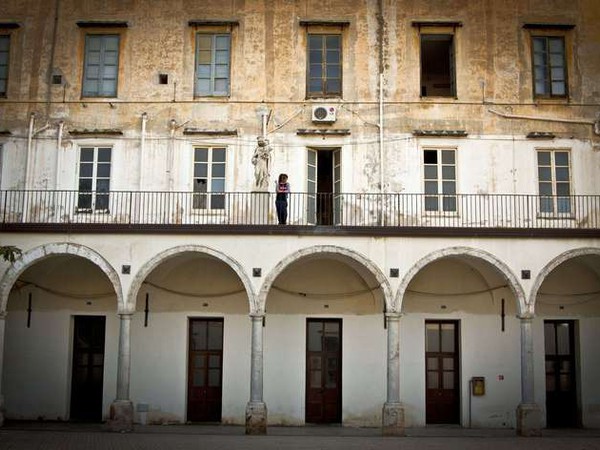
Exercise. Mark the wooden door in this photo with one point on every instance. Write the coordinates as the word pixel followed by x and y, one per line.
pixel 323 371
pixel 561 393
pixel 442 372
pixel 87 376
pixel 205 370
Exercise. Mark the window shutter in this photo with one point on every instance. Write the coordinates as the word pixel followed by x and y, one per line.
pixel 4 45
pixel 101 66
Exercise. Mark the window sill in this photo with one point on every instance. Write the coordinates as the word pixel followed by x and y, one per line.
pixel 95 212
pixel 551 100
pixel 556 216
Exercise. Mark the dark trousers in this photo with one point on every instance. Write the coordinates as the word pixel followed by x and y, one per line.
pixel 282 212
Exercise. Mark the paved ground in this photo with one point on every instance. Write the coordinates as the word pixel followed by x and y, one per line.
pixel 45 436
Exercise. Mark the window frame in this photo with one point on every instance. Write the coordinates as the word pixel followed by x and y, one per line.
pixel 208 197
pixel 548 66
pixel 452 55
pixel 555 197
pixel 93 193
pixel 7 36
pixel 214 35
pixel 101 34
pixel 440 196
pixel 324 33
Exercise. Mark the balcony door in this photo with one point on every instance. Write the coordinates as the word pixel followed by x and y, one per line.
pixel 441 371
pixel 323 371
pixel 324 169
pixel 205 370
pixel 561 393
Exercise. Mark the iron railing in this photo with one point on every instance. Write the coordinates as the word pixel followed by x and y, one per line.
pixel 304 209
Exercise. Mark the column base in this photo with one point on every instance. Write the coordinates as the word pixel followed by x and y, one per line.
pixel 121 416
pixel 393 419
pixel 256 418
pixel 529 420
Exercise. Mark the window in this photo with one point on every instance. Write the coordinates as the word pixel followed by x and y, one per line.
pixel 554 181
pixel 437 65
pixel 209 178
pixel 94 179
pixel 4 46
pixel 101 66
pixel 549 66
pixel 212 64
pixel 324 74
pixel 440 179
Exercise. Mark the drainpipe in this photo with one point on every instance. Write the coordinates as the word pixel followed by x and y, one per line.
pixel 170 153
pixel 143 147
pixel 29 157
pixel 61 126
pixel 380 32
pixel 51 62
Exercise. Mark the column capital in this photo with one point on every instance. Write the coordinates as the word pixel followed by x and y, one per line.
pixel 393 315
pixel 257 315
pixel 526 316
pixel 125 315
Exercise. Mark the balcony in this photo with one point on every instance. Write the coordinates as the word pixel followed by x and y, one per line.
pixel 308 213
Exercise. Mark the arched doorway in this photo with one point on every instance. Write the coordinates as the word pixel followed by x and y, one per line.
pixel 61 335
pixel 325 339
pixel 190 339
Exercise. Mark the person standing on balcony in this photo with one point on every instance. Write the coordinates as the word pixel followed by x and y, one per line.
pixel 262 165
pixel 282 188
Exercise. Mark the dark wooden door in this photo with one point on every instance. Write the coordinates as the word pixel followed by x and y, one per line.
pixel 88 368
pixel 561 393
pixel 442 372
pixel 323 371
pixel 205 370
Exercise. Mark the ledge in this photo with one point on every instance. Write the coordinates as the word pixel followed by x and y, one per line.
pixel 540 135
pixel 102 24
pixel 212 22
pixel 322 132
pixel 196 131
pixel 9 25
pixel 96 132
pixel 440 133
pixel 321 22
pixel 553 26
pixel 5 133
pixel 435 23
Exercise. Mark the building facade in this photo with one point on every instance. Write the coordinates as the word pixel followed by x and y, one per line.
pixel 440 257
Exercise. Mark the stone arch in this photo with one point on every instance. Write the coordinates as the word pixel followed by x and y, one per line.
pixel 150 265
pixel 338 252
pixel 64 248
pixel 467 252
pixel 553 264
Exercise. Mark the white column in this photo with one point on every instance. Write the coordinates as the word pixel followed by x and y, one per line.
pixel 527 393
pixel 393 358
pixel 124 360
pixel 256 363
pixel 393 411
pixel 2 323
pixel 529 414
pixel 121 410
pixel 256 410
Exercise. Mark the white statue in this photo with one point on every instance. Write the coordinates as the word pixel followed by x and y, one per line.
pixel 262 164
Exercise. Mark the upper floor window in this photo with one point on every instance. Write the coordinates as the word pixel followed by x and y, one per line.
pixel 101 67
pixel 324 71
pixel 94 178
pixel 209 177
pixel 212 64
pixel 549 66
pixel 440 179
pixel 4 47
pixel 554 178
pixel 437 65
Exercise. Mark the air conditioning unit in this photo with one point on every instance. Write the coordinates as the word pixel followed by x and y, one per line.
pixel 323 113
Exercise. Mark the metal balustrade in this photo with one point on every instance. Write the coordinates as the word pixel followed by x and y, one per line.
pixel 504 211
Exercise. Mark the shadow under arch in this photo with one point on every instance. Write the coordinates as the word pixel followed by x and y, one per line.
pixel 553 264
pixel 45 251
pixel 153 263
pixel 467 253
pixel 350 257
